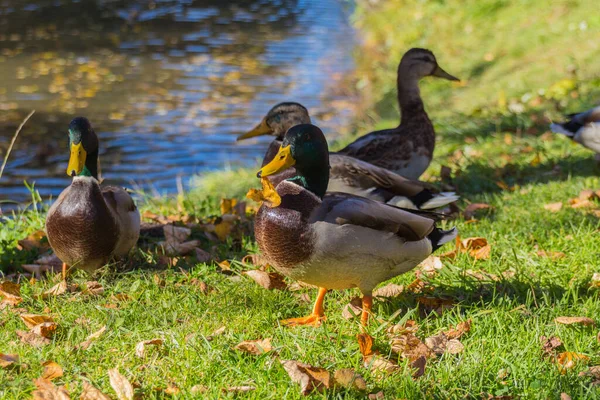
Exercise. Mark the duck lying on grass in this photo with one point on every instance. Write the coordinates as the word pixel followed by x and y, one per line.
pixel 335 240
pixel 88 225
pixel 584 128
pixel 348 174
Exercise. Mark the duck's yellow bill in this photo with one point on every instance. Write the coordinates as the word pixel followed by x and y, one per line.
pixel 283 160
pixel 259 130
pixel 77 159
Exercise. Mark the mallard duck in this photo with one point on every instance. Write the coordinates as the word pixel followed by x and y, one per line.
pixel 348 174
pixel 88 225
pixel 407 149
pixel 584 128
pixel 335 240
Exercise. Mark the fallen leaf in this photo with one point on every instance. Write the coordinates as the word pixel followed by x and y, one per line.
pixel 380 366
pixel 472 209
pixel 419 364
pixel 454 346
pixel 409 326
pixel 437 343
pixel 140 348
pixel 476 247
pixel 202 286
pixel 554 207
pixel 409 346
pixel 578 203
pixel 574 320
pixel 416 286
pixel 32 339
pixel 365 344
pixel 10 293
pixel 568 360
pixel 549 344
pixel 377 396
pixel 34 241
pixel 179 249
pixel 308 377
pixel 51 370
pixel 198 389
pixel 349 379
pixel 240 389
pixel 172 389
pixel 91 393
pixel 176 234
pixel 438 305
pixel 47 391
pixel 120 385
pixel 227 205
pixel 462 328
pixel 268 194
pixel 272 280
pixel 223 230
pixel 88 341
pixel 93 288
pixel 256 347
pixel 32 320
pixel 352 309
pixel 56 290
pixel 564 396
pixel 8 360
pixel 554 255
pixel 593 372
pixel 217 332
pixel 389 291
pixel 431 265
pixel 224 265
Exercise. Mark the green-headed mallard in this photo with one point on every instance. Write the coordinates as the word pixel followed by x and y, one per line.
pixel 584 128
pixel 88 225
pixel 348 174
pixel 407 149
pixel 335 240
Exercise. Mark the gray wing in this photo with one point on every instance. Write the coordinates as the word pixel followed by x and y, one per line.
pixel 363 175
pixel 344 209
pixel 587 117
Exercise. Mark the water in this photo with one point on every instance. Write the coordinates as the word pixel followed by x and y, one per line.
pixel 168 85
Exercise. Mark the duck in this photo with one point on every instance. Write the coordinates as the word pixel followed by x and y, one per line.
pixel 407 149
pixel 335 240
pixel 583 128
pixel 89 224
pixel 348 174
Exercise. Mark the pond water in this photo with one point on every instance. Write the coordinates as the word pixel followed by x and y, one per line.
pixel 167 84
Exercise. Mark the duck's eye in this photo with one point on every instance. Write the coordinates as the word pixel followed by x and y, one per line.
pixel 281 157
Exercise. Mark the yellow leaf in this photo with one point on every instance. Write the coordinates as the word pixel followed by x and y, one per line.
pixel 120 384
pixel 255 347
pixel 574 320
pixel 140 348
pixel 51 370
pixel 32 320
pixel 91 393
pixel 267 194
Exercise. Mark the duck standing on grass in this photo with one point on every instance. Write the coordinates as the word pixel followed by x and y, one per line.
pixel 88 225
pixel 348 174
pixel 584 128
pixel 407 149
pixel 335 240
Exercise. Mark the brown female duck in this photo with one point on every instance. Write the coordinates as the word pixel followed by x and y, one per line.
pixel 335 240
pixel 348 174
pixel 88 225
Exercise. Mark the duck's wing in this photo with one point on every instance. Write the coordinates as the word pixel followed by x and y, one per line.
pixel 587 117
pixel 576 121
pixel 344 209
pixel 126 212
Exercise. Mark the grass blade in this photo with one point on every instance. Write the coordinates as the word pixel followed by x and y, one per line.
pixel 12 142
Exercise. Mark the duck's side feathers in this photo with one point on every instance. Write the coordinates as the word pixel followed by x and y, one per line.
pixel 127 215
pixel 439 237
pixel 424 200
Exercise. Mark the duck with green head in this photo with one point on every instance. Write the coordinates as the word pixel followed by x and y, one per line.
pixel 88 225
pixel 335 240
pixel 348 174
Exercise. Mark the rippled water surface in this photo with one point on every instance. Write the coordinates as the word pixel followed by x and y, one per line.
pixel 167 84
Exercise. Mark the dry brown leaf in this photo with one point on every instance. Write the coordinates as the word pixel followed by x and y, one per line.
pixel 34 241
pixel 462 328
pixel 172 389
pixel 93 288
pixel 568 360
pixel 352 309
pixel 380 366
pixel 32 339
pixel 224 265
pixel 179 249
pixel 140 348
pixel 198 389
pixel 549 344
pixel 268 194
pixel 389 291
pixel 417 286
pixel 454 346
pixel 409 346
pixel 476 247
pixel 308 377
pixel 593 372
pixel 202 286
pixel 203 256
pixel 554 255
pixel 51 370
pixel 578 203
pixel 8 360
pixel 47 391
pixel 574 320
pixel 431 265
pixel 32 320
pixel 409 326
pixel 554 207
pixel 365 344
pixel 377 396
pixel 437 343
pixel 88 341
pixel 217 332
pixel 240 389
pixel 272 280
pixel 256 347
pixel 472 209
pixel 10 293
pixel 91 393
pixel 120 385
pixel 176 234
pixel 56 290
pixel 45 329
pixel 349 379
pixel 419 364
pixel 438 305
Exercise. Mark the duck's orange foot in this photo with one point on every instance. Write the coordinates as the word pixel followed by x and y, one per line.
pixel 310 320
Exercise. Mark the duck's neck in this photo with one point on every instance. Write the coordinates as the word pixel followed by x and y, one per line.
pixel 314 180
pixel 91 166
pixel 409 97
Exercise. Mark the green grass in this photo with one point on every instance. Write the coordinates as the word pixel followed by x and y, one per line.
pixel 509 316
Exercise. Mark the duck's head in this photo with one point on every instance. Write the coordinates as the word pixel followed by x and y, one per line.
pixel 83 144
pixel 304 147
pixel 418 63
pixel 278 120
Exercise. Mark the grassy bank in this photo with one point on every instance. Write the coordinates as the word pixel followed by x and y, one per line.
pixel 516 59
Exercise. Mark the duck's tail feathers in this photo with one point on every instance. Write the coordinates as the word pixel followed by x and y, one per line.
pixel 440 237
pixel 440 200
pixel 559 128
